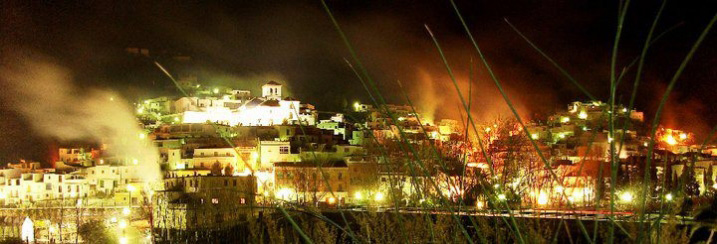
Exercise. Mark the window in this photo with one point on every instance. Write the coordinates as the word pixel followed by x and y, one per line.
pixel 341 187
pixel 341 176
pixel 284 150
pixel 226 182
pixel 242 201
pixel 235 182
pixel 216 154
pixel 215 201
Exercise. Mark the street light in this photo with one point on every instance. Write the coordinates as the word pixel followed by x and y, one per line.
pixel 480 204
pixel 125 211
pixel 626 197
pixel 379 197
pixel 668 197
pixel 542 198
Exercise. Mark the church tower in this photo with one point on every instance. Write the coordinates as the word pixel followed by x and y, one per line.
pixel 271 90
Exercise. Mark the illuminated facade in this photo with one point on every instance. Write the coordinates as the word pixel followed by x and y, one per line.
pixel 239 109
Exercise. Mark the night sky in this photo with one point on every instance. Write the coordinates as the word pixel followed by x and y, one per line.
pixel 245 44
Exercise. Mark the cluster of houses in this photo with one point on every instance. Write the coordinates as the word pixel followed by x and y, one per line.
pixel 222 148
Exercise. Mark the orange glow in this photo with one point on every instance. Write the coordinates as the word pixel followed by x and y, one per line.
pixel 670 140
pixel 673 137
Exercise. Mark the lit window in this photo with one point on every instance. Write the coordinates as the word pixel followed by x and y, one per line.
pixel 242 201
pixel 215 201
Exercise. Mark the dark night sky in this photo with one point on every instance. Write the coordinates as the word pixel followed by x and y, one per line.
pixel 243 44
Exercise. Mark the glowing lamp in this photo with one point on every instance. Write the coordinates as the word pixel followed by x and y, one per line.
pixel 125 211
pixel 378 197
pixel 123 240
pixel 668 197
pixel 131 188
pixel 122 224
pixel 559 189
pixel 501 197
pixel 535 136
pixel 626 197
pixel 565 119
pixel 542 198
pixel 583 115
pixel 332 200
pixel 480 204
pixel 216 90
pixel 683 136
pixel 358 196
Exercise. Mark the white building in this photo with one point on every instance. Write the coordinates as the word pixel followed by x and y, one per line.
pixel 269 109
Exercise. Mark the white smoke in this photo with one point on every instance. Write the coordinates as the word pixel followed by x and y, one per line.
pixel 44 93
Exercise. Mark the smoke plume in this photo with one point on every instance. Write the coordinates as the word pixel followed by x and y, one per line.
pixel 44 93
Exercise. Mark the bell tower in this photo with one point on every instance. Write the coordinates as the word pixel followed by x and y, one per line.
pixel 271 90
